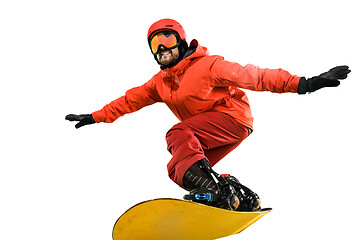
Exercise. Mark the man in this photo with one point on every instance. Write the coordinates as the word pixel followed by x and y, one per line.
pixel 203 91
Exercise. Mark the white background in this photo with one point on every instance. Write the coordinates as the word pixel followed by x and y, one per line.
pixel 72 56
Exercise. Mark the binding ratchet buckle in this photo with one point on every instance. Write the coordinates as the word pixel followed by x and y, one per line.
pixel 204 197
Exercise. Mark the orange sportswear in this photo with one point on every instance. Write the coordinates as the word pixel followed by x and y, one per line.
pixel 200 83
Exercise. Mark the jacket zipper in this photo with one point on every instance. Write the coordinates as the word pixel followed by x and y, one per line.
pixel 171 97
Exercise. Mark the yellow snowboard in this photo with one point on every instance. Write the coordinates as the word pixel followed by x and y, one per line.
pixel 172 219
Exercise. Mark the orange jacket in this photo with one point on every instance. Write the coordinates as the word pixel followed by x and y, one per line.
pixel 200 83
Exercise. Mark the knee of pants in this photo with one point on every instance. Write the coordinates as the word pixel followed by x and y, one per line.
pixel 177 135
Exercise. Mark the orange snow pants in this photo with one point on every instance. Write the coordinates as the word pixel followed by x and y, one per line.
pixel 211 135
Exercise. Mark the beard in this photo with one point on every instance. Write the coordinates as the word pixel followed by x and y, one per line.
pixel 168 57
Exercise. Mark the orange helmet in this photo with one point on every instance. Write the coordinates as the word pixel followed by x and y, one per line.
pixel 167 24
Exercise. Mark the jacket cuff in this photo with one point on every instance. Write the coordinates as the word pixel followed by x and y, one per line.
pixel 98 116
pixel 303 86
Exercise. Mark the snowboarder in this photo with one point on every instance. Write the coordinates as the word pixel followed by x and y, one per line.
pixel 204 92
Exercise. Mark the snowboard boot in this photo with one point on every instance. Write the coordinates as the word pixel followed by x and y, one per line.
pixel 208 187
pixel 249 201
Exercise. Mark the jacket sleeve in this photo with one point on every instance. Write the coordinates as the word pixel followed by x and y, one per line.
pixel 133 100
pixel 254 78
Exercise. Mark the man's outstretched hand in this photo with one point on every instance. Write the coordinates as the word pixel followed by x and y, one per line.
pixel 327 79
pixel 83 119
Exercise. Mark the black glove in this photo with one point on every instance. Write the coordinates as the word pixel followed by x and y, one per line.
pixel 327 79
pixel 83 119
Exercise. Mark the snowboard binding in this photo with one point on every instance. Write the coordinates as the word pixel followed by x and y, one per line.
pixel 249 200
pixel 224 198
pixel 227 192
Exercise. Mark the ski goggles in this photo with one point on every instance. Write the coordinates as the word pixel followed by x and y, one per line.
pixel 166 39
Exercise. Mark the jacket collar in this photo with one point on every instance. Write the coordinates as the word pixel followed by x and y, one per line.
pixel 195 51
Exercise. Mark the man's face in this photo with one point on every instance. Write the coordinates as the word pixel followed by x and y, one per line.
pixel 167 56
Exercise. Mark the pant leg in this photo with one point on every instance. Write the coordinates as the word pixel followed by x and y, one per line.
pixel 214 155
pixel 210 135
